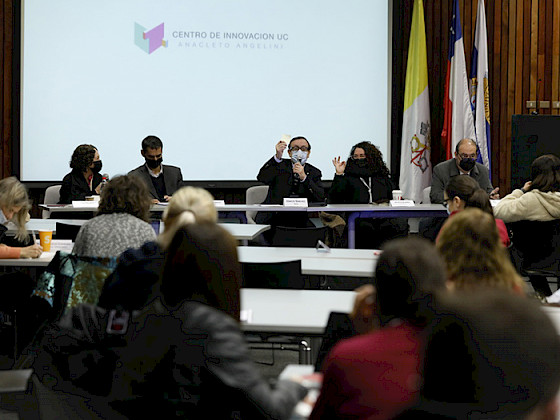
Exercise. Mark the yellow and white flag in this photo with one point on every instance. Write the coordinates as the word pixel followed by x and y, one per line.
pixel 416 169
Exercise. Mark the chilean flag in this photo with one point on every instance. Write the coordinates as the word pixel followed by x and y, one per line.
pixel 458 118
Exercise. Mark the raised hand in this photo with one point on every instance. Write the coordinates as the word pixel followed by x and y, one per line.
pixel 339 166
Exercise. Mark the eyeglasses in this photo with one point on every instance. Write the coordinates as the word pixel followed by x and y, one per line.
pixel 358 157
pixel 465 156
pixel 296 148
pixel 446 201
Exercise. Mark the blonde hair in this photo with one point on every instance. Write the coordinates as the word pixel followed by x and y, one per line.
pixel 473 253
pixel 188 205
pixel 14 194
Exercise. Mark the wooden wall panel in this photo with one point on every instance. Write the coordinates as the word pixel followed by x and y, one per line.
pixel 524 65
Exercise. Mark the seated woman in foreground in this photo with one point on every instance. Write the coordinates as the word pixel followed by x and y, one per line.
pixel 462 192
pixel 183 356
pixel 539 199
pixel 133 282
pixel 14 207
pixel 372 376
pixel 121 222
pixel 84 180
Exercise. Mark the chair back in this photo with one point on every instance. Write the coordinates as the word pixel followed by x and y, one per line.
pixel 52 196
pixel 285 236
pixel 66 231
pixel 426 195
pixel 535 245
pixel 277 275
pixel 255 195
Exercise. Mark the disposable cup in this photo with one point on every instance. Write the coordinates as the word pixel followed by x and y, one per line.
pixel 397 195
pixel 45 238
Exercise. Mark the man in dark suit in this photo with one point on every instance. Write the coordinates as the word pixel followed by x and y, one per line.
pixel 162 180
pixel 292 177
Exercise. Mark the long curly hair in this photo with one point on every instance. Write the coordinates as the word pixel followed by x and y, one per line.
pixel 82 157
pixel 374 158
pixel 473 253
pixel 125 194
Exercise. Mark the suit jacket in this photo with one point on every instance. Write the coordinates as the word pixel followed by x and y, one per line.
pixel 75 187
pixel 172 175
pixel 280 179
pixel 444 171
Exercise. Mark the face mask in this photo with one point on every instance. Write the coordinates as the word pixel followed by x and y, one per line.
pixel 97 165
pixel 358 167
pixel 299 156
pixel 467 164
pixel 153 163
pixel 447 208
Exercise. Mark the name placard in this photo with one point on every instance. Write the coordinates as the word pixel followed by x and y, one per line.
pixel 219 203
pixel 295 202
pixel 402 203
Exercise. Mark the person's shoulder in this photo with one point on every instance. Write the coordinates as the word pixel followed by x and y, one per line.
pixel 171 168
pixel 444 165
pixel 141 170
pixel 312 169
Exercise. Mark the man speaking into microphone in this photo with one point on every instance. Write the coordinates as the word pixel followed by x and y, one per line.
pixel 292 177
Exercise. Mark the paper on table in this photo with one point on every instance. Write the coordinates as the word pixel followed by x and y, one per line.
pixel 85 204
pixel 65 245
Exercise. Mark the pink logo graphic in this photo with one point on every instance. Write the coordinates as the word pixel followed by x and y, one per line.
pixel 149 40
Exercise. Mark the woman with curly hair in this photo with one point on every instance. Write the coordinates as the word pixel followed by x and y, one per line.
pixel 121 223
pixel 364 179
pixel 84 180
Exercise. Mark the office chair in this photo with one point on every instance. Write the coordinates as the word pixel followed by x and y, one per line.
pixel 535 251
pixel 66 231
pixel 308 237
pixel 280 275
pixel 277 275
pixel 254 195
pixel 52 196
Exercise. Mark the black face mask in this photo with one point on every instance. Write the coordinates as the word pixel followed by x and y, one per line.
pixel 467 164
pixel 358 167
pixel 97 165
pixel 153 163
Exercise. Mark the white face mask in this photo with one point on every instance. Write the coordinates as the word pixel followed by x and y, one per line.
pixel 447 208
pixel 299 156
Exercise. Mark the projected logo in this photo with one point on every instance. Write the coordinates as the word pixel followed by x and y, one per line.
pixel 149 40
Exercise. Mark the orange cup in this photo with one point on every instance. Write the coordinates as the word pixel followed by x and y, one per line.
pixel 45 238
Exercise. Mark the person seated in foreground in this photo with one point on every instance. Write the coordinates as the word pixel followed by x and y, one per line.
pixel 373 376
pixel 292 177
pixel 462 192
pixel 474 255
pixel 364 179
pixel 132 283
pixel 539 199
pixel 121 222
pixel 14 207
pixel 182 356
pixel 464 163
pixel 161 180
pixel 490 355
pixel 84 180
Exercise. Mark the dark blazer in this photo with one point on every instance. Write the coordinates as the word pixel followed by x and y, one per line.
pixel 349 189
pixel 444 171
pixel 75 187
pixel 280 179
pixel 172 175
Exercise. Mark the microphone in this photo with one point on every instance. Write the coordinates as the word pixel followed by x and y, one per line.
pixel 105 177
pixel 294 161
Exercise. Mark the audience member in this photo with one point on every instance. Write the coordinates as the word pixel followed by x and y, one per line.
pixel 464 163
pixel 462 192
pixel 365 179
pixel 490 356
pixel 84 180
pixel 539 199
pixel 121 222
pixel 180 357
pixel 162 180
pixel 377 374
pixel 474 255
pixel 292 177
pixel 14 207
pixel 131 285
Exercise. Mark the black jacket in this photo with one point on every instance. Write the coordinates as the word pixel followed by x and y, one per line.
pixel 171 174
pixel 76 188
pixel 280 179
pixel 349 189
